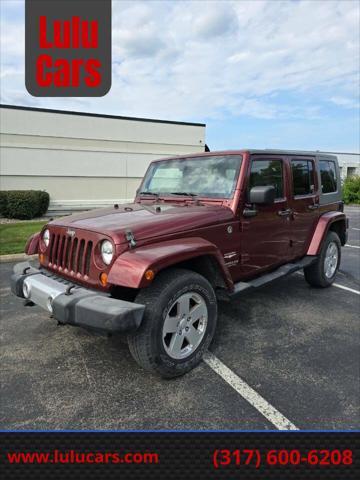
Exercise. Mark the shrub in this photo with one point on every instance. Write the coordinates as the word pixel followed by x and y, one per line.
pixel 23 204
pixel 3 203
pixel 44 199
pixel 351 189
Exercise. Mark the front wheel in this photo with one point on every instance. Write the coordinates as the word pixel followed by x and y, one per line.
pixel 178 324
pixel 322 273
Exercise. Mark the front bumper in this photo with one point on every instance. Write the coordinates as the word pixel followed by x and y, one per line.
pixel 75 305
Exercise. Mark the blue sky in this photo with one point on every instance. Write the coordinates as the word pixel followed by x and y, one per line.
pixel 261 74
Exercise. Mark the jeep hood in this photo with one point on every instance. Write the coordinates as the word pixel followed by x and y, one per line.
pixel 147 220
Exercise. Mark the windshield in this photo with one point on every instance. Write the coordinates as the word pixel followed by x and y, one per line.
pixel 212 177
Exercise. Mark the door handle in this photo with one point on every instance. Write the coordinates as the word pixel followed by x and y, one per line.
pixel 284 213
pixel 314 206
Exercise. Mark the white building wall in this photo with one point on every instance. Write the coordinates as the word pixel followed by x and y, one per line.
pixel 83 160
pixel 349 164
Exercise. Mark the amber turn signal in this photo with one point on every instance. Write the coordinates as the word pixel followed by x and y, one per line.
pixel 149 275
pixel 41 258
pixel 103 279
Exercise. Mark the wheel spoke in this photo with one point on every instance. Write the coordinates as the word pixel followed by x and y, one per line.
pixel 176 344
pixel 193 336
pixel 170 325
pixel 183 306
pixel 328 271
pixel 198 311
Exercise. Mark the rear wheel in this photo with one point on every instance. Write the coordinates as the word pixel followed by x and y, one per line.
pixel 178 324
pixel 322 273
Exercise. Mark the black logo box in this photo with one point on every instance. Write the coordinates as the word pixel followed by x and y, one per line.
pixel 99 10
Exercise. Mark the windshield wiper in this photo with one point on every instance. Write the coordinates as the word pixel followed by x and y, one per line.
pixel 149 193
pixel 187 194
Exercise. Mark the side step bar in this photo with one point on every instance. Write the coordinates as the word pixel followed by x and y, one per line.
pixel 280 272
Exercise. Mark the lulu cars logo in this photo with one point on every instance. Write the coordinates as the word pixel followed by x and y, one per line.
pixel 68 47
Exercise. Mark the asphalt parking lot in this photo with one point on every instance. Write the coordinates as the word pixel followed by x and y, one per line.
pixel 297 347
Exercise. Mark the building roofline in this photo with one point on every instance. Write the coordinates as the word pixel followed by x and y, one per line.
pixel 100 115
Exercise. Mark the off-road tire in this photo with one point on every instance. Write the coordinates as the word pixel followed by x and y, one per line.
pixel 315 273
pixel 146 343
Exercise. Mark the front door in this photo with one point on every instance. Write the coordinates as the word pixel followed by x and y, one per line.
pixel 265 238
pixel 304 203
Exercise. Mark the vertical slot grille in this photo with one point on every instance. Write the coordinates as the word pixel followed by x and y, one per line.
pixel 57 249
pixel 88 258
pixel 56 242
pixel 81 257
pixel 69 253
pixel 73 264
pixel 61 250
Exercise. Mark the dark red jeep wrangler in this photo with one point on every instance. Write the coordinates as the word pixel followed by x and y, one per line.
pixel 201 228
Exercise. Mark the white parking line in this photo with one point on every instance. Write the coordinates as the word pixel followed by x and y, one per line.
pixel 248 393
pixel 346 288
pixel 357 229
pixel 357 292
pixel 352 246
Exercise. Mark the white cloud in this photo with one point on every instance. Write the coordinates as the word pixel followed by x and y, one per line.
pixel 346 102
pixel 215 20
pixel 196 60
pixel 138 44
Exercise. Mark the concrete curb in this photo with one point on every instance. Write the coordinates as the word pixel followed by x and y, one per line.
pixel 16 257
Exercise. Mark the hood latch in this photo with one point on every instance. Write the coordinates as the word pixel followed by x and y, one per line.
pixel 130 238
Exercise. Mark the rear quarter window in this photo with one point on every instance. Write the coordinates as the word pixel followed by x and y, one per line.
pixel 328 176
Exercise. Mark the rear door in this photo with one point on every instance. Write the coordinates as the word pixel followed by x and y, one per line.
pixel 304 203
pixel 266 236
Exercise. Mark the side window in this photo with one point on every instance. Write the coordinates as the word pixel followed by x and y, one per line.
pixel 303 177
pixel 328 176
pixel 267 172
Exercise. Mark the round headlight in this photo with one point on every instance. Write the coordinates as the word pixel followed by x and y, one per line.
pixel 107 252
pixel 46 237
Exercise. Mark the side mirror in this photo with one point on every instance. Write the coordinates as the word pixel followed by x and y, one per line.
pixel 262 195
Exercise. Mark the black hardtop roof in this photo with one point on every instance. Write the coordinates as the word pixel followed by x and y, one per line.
pixel 303 153
pixel 290 152
pixel 254 151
